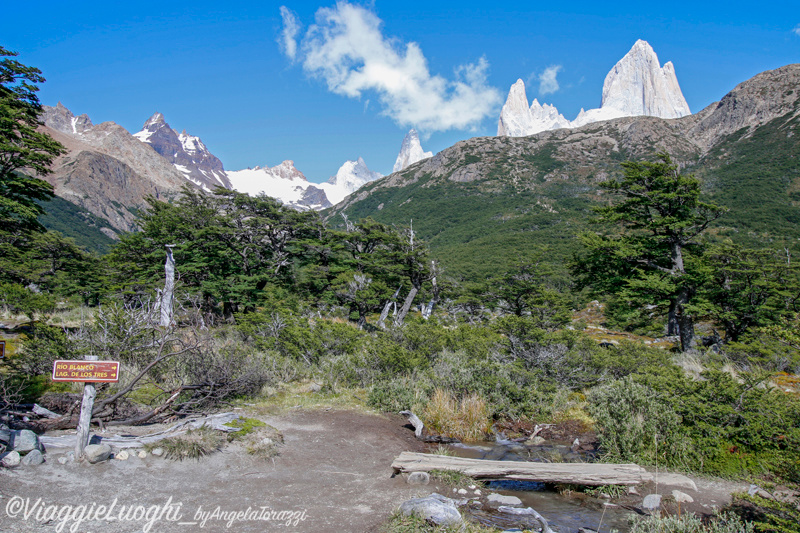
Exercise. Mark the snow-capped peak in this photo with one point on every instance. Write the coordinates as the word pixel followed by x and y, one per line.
pixel 519 120
pixel 410 152
pixel 186 152
pixel 282 182
pixel 637 85
pixel 349 178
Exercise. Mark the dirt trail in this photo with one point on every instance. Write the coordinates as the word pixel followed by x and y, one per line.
pixel 333 475
pixel 335 467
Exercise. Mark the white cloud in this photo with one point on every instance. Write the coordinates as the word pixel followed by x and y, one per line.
pixel 548 84
pixel 796 30
pixel 291 27
pixel 347 49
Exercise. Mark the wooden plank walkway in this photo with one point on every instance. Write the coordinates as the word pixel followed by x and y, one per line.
pixel 574 473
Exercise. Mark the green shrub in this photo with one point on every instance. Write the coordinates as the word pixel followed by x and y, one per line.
pixel 769 516
pixel 402 393
pixel 635 425
pixel 724 523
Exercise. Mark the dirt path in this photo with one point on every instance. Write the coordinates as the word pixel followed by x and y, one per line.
pixel 333 475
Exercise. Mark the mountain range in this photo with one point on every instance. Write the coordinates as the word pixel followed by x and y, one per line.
pixel 107 173
pixel 487 201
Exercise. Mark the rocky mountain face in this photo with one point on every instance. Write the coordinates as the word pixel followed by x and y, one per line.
pixel 283 182
pixel 482 192
pixel 106 170
pixel 186 152
pixel 410 152
pixel 636 86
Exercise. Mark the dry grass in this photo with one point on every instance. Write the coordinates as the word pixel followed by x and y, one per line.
pixel 467 419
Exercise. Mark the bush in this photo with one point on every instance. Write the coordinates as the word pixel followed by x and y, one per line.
pixel 724 523
pixel 635 425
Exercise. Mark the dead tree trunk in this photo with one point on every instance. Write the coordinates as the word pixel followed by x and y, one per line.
pixel 387 307
pixel 401 316
pixel 169 288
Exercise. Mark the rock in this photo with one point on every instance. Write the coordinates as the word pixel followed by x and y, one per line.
pixel 681 497
pixel 10 459
pixel 586 530
pixel 477 492
pixel 33 458
pixel 418 478
pixel 5 434
pixel 755 490
pixel 632 490
pixel 142 454
pixel 651 502
pixel 434 508
pixel 66 458
pixel 122 456
pixel 496 500
pixel 676 480
pixel 24 441
pixel 462 492
pixel 535 441
pixel 158 452
pixel 95 453
pixel 542 526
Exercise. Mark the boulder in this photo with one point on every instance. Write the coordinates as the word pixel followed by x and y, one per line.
pixel 10 459
pixel 435 508
pixel 419 478
pixel 24 441
pixel 96 453
pixel 142 454
pixel 33 458
pixel 496 500
pixel 122 456
pixel 158 452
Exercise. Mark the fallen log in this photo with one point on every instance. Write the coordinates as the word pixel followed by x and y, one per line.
pixel 573 473
pixel 217 422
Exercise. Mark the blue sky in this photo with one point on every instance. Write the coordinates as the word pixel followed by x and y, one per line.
pixel 362 74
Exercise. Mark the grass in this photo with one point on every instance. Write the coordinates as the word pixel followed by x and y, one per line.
pixel 194 444
pixel 260 439
pixel 293 396
pixel 467 419
pixel 454 478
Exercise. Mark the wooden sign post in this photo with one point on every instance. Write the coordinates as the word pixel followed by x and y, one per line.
pixel 90 371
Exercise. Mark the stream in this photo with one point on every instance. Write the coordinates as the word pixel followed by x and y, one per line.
pixel 566 512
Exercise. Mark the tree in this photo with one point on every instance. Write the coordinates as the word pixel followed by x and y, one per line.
pixel 659 217
pixel 744 289
pixel 23 149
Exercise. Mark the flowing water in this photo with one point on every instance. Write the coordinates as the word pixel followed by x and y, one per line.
pixel 566 511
